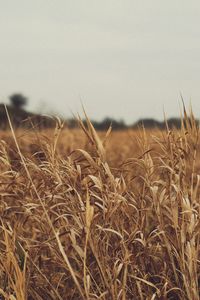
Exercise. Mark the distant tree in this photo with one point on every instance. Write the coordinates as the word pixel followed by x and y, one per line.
pixel 105 124
pixel 147 123
pixel 174 122
pixel 18 101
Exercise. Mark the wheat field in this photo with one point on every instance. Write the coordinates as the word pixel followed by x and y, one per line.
pixel 100 215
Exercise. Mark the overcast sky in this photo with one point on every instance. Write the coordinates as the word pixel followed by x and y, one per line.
pixel 123 58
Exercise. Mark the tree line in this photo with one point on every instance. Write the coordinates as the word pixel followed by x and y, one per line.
pixel 22 118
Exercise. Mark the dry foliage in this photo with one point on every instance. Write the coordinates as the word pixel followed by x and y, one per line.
pixel 87 215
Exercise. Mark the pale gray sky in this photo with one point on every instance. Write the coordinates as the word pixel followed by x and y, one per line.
pixel 124 58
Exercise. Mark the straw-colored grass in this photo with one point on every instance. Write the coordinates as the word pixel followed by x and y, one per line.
pixel 87 215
